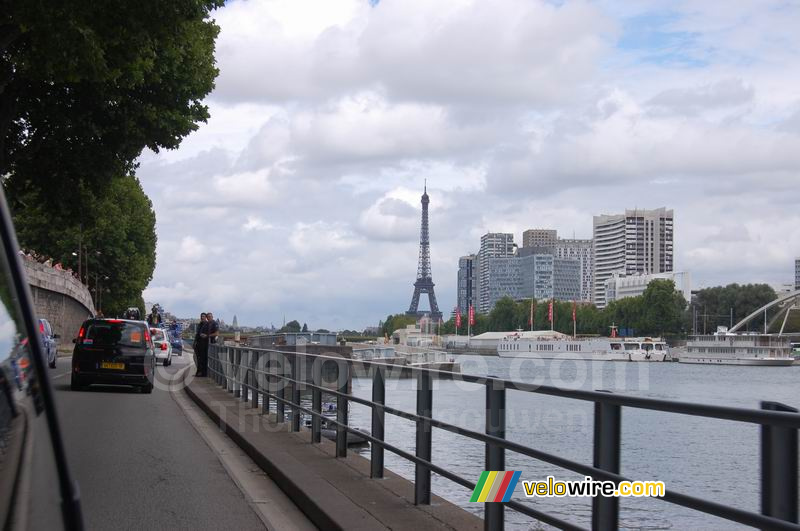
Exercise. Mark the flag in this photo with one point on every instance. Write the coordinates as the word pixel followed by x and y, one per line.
pixel 471 315
pixel 458 317
pixel 550 312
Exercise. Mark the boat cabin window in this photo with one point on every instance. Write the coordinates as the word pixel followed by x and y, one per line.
pixel 616 346
pixel 659 346
pixel 631 346
pixel 647 346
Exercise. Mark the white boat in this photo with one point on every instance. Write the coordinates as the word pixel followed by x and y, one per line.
pixel 554 345
pixel 725 348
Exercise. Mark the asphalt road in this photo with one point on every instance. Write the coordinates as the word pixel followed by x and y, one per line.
pixel 140 464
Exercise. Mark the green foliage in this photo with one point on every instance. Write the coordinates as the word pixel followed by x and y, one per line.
pixel 394 322
pixel 116 221
pixel 305 327
pixel 88 85
pixel 713 305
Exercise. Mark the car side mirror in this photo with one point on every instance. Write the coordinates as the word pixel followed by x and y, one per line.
pixel 75 340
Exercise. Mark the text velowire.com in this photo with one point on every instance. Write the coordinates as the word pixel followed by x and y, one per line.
pixel 589 488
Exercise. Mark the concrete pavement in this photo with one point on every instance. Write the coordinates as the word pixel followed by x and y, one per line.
pixel 141 464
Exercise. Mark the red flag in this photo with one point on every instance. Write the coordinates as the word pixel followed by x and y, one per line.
pixel 471 315
pixel 458 317
pixel 574 306
pixel 550 312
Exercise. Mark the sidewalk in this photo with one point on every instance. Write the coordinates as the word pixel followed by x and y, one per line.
pixel 333 493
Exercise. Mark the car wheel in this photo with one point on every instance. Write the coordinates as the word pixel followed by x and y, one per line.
pixel 166 362
pixel 74 384
pixel 147 389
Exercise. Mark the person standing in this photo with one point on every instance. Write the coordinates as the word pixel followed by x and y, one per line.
pixel 213 328
pixel 201 345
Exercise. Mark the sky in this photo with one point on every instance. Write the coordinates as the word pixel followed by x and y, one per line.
pixel 300 198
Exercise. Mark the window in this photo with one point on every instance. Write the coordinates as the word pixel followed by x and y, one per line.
pixel 113 333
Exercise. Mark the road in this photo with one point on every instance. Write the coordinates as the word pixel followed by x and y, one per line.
pixel 140 464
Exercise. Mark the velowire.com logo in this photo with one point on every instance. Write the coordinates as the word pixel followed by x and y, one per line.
pixel 495 486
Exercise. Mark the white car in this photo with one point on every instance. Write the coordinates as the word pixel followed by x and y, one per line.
pixel 163 348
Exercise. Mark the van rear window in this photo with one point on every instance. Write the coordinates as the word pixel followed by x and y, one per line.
pixel 109 334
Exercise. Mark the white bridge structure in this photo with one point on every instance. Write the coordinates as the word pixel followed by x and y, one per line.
pixel 786 304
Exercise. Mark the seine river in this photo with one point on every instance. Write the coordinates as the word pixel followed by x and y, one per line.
pixel 713 459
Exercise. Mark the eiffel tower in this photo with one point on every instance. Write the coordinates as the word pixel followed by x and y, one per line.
pixel 424 283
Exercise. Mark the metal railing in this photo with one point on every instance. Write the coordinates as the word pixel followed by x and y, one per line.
pixel 250 373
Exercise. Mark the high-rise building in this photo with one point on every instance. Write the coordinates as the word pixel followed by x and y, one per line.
pixel 493 245
pixel 582 251
pixel 467 282
pixel 536 273
pixel 539 238
pixel 576 249
pixel 637 242
pixel 797 274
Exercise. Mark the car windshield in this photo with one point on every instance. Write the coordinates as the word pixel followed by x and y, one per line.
pixel 110 333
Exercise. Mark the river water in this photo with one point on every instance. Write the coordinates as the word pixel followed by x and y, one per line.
pixel 709 458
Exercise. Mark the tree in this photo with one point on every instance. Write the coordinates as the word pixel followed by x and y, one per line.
pixel 88 85
pixel 305 327
pixel 117 235
pixel 718 306
pixel 291 327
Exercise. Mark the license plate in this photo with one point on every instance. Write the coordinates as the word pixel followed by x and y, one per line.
pixel 109 365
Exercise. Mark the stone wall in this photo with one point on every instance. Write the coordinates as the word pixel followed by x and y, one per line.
pixel 59 297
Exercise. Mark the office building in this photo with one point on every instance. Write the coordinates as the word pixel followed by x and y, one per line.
pixel 576 249
pixel 637 242
pixel 536 273
pixel 621 286
pixel 467 292
pixel 493 245
pixel 797 274
pixel 539 238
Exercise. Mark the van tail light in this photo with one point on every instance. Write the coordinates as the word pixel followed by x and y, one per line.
pixel 163 346
pixel 81 333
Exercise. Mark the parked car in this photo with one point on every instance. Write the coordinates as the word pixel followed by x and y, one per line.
pixel 49 342
pixel 113 351
pixel 163 348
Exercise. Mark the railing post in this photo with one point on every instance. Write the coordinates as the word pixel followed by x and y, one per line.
pixel 779 467
pixel 254 377
pixel 280 389
pixel 237 372
pixel 244 359
pixel 267 379
pixel 342 378
pixel 297 367
pixel 495 455
pixel 228 369
pixel 422 474
pixel 378 418
pixel 316 401
pixel 607 434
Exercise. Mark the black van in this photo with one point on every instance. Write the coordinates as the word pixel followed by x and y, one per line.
pixel 113 351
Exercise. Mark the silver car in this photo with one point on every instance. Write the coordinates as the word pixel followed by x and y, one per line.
pixel 163 348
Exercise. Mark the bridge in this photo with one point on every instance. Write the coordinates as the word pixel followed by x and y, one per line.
pixel 784 306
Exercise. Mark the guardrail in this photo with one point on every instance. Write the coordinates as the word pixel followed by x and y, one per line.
pixel 250 373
